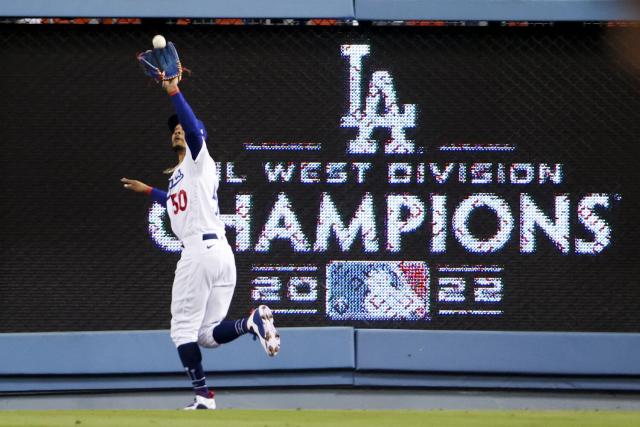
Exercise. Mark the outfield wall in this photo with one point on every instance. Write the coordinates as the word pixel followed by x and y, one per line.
pixel 336 357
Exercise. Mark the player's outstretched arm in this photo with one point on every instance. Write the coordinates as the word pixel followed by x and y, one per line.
pixel 191 125
pixel 140 187
pixel 135 185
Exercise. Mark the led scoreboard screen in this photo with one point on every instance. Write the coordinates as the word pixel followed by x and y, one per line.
pixel 374 177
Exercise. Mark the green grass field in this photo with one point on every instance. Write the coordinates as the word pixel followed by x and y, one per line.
pixel 255 418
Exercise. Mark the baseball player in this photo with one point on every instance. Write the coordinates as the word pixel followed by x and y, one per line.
pixel 205 276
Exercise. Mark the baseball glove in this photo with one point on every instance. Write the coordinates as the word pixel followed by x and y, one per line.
pixel 161 64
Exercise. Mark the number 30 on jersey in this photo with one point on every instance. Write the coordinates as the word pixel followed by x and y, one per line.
pixel 179 201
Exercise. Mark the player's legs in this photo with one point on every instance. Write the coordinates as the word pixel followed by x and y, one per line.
pixel 188 305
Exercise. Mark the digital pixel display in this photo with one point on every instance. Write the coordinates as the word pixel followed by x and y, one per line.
pixel 374 177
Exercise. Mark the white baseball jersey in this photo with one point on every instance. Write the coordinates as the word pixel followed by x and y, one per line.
pixel 192 200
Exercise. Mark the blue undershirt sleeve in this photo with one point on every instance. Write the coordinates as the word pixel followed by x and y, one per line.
pixel 193 128
pixel 159 196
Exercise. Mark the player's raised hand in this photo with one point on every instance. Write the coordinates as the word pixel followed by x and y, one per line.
pixel 170 85
pixel 135 185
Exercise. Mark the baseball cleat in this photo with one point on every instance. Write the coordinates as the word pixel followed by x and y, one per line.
pixel 261 324
pixel 201 402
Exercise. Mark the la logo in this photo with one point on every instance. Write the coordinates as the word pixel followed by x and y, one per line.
pixel 381 90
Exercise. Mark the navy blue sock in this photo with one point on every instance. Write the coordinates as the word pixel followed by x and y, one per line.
pixel 192 361
pixel 229 330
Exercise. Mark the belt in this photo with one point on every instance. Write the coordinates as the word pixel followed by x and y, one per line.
pixel 193 240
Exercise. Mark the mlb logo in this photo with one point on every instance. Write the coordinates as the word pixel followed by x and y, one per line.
pixel 377 290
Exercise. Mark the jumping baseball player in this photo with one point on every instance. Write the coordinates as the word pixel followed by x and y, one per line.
pixel 205 276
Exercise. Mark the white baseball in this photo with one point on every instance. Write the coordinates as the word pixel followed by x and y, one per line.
pixel 159 42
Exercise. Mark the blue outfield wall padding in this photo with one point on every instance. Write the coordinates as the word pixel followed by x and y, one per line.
pixel 339 356
pixel 540 353
pixel 139 352
pixel 495 10
pixel 337 348
pixel 179 9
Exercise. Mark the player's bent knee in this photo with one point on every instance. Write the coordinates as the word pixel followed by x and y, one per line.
pixel 205 338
